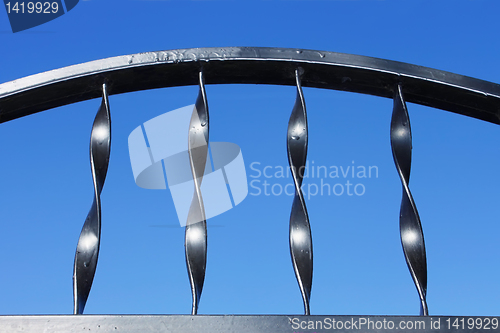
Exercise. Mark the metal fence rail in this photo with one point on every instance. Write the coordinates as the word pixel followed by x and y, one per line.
pixel 245 324
pixel 421 85
pixel 399 81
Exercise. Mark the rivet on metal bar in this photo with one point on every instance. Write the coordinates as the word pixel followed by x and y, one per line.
pixel 412 237
pixel 87 250
pixel 300 230
pixel 196 225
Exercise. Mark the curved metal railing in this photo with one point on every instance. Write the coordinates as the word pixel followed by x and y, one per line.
pixel 400 81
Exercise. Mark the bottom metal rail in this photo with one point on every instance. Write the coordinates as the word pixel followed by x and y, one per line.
pixel 245 323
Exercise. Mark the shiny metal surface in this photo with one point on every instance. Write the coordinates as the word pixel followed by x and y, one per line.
pixel 412 237
pixel 232 324
pixel 87 250
pixel 300 230
pixel 254 65
pixel 400 81
pixel 196 225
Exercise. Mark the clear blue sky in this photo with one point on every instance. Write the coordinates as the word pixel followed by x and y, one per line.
pixel 359 268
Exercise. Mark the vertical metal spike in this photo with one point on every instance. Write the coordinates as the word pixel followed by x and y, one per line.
pixel 300 230
pixel 87 250
pixel 412 237
pixel 196 226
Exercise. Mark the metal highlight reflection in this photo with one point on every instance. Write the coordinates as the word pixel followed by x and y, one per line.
pixel 300 230
pixel 87 250
pixel 196 225
pixel 412 237
pixel 233 65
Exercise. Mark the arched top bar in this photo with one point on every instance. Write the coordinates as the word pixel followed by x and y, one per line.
pixel 255 65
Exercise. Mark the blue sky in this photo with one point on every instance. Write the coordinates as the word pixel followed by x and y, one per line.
pixel 359 268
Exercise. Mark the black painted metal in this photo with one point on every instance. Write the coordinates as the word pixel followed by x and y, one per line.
pixel 439 89
pixel 300 230
pixel 402 82
pixel 412 236
pixel 87 250
pixel 196 226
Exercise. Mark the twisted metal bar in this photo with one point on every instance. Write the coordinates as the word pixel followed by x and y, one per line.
pixel 412 237
pixel 196 226
pixel 87 250
pixel 300 230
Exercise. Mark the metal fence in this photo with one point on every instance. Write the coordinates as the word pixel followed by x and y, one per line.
pixel 97 79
